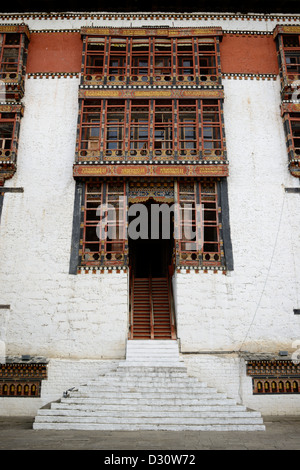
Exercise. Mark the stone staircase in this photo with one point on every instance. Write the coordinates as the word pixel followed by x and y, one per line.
pixel 150 390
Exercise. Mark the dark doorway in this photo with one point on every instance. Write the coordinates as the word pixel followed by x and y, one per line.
pixel 153 257
pixel 151 301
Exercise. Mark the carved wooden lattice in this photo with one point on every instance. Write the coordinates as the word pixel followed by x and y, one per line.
pixel 21 380
pixel 274 377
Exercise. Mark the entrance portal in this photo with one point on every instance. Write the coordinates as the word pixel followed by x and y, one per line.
pixel 151 300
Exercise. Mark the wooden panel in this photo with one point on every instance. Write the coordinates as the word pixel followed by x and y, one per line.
pixel 54 53
pixel 248 54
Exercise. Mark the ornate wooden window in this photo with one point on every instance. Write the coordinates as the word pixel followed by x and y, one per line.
pixel 13 55
pixel 188 123
pixel 294 119
pixel 139 128
pixel 162 62
pixel 7 128
pixel 291 50
pixel 288 53
pixel 117 60
pixel 163 133
pixel 90 124
pixel 143 129
pixel 114 144
pixel 140 60
pixel 104 223
pixel 208 63
pixel 95 57
pixel 212 138
pixel 291 117
pixel 10 116
pixel 199 241
pixel 152 60
pixel 185 59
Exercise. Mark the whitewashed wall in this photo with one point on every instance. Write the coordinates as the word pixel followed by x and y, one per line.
pixel 227 373
pixel 52 313
pixel 251 308
pixel 227 21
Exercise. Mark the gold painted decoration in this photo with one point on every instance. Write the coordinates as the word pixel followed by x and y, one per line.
pixel 284 29
pixel 167 32
pixel 150 170
pixel 168 93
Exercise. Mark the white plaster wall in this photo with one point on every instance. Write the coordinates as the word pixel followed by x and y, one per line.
pixel 227 21
pixel 63 374
pixel 52 313
pixel 227 373
pixel 250 308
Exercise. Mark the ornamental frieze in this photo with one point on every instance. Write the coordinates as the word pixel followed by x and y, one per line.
pixel 150 170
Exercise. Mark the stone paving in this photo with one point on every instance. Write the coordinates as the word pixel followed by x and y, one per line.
pixel 282 433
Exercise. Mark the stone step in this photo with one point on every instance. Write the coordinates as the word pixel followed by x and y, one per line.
pixel 153 401
pixel 150 390
pixel 158 395
pixel 152 344
pixel 144 383
pixel 144 379
pixel 149 407
pixel 151 371
pixel 152 364
pixel 146 427
pixel 149 420
pixel 146 389
pixel 221 413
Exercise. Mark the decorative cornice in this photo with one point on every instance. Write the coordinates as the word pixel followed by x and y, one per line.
pixel 152 169
pixel 164 91
pixel 102 269
pixel 250 76
pixel 146 16
pixel 53 75
pixel 15 28
pixel 156 31
pixel 236 32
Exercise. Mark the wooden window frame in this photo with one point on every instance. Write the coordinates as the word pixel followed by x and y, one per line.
pixel 295 118
pixel 4 150
pixel 205 219
pixel 292 52
pixel 184 143
pixel 114 146
pixel 135 139
pixel 121 57
pixel 18 66
pixel 161 54
pixel 93 55
pixel 213 144
pixel 106 250
pixel 88 143
pixel 195 129
pixel 171 70
pixel 185 71
pixel 163 147
pixel 137 72
pixel 202 54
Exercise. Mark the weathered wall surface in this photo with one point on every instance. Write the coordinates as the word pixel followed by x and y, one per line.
pixel 52 313
pixel 251 308
pixel 227 373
